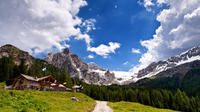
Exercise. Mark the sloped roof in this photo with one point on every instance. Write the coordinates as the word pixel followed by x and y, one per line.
pixel 42 78
pixel 35 79
pixel 28 77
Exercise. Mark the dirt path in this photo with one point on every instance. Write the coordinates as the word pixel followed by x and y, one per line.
pixel 102 106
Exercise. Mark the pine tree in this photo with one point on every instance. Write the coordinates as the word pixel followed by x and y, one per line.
pixel 22 67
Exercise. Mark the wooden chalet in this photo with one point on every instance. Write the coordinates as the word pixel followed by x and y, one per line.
pixel 47 83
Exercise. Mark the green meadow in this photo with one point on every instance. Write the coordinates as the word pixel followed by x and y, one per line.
pixel 134 107
pixel 44 101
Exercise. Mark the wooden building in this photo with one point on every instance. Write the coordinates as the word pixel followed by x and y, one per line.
pixel 47 83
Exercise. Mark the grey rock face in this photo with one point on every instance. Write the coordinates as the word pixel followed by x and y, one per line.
pixel 109 76
pixel 17 54
pixel 94 66
pixel 184 68
pixel 177 64
pixel 78 69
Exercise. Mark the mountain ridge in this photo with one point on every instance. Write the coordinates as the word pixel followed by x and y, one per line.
pixel 91 73
pixel 180 63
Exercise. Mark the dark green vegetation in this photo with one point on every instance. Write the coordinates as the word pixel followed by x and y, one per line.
pixel 190 82
pixel 43 101
pixel 9 70
pixel 134 107
pixel 154 97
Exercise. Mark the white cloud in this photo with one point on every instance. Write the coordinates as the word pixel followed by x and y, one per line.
pixel 90 56
pixel 159 2
pixel 136 51
pixel 105 50
pixel 179 30
pixel 125 63
pixel 40 24
pixel 89 25
pixel 147 4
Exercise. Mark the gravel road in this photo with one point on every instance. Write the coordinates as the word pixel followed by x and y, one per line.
pixel 101 106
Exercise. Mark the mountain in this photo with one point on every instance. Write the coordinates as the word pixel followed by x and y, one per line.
pixel 94 66
pixel 178 64
pixel 17 54
pixel 89 73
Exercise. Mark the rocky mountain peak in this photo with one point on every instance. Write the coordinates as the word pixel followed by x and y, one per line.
pixel 77 68
pixel 180 63
pixel 17 54
pixel 66 51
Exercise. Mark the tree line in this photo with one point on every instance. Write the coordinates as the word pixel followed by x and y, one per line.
pixel 189 82
pixel 159 98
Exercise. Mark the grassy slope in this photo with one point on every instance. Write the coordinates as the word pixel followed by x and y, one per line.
pixel 135 107
pixel 40 101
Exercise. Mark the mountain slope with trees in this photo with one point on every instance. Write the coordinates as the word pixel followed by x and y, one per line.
pixel 174 97
pixel 160 98
pixel 189 82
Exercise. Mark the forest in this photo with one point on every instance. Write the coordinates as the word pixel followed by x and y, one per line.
pixel 189 82
pixel 169 97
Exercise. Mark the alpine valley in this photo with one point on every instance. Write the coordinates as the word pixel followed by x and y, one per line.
pixel 169 84
pixel 91 73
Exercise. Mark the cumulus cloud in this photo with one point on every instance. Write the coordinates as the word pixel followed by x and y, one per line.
pixel 105 50
pixel 136 51
pixel 39 25
pixel 90 56
pixel 179 30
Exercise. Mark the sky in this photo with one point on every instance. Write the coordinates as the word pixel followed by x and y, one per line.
pixel 121 35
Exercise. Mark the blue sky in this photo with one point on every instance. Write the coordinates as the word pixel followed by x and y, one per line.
pixel 124 22
pixel 125 35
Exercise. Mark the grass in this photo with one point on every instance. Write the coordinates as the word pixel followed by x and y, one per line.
pixel 43 101
pixel 134 107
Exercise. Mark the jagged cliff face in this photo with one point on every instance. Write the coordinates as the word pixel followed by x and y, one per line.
pixel 68 61
pixel 89 73
pixel 94 66
pixel 16 54
pixel 177 64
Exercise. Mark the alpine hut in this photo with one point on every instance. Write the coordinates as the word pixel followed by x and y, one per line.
pixel 47 83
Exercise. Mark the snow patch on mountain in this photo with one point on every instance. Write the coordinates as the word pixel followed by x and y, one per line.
pixel 101 73
pixel 188 60
pixel 122 76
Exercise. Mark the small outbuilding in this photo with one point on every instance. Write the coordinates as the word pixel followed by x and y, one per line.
pixel 77 88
